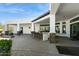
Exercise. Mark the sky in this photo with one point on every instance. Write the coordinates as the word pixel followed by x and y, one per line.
pixel 28 11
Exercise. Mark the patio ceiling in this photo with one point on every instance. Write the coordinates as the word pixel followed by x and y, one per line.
pixel 67 10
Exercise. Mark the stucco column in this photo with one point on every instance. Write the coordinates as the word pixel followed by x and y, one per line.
pixel 52 23
pixel 54 8
pixel 52 36
pixel 32 27
pixel 60 27
pixel 37 27
pixel 18 27
pixel 68 28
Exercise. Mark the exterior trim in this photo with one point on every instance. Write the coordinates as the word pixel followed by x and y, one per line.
pixel 41 16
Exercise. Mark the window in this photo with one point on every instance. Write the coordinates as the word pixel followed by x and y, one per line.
pixel 57 29
pixel 44 28
pixel 21 28
pixel 63 22
pixel 57 23
pixel 64 29
pixel 29 27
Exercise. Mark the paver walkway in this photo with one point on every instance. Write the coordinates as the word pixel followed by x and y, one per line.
pixel 25 45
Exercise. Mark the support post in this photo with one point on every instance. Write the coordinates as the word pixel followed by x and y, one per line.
pixel 52 36
pixel 54 8
pixel 32 27
pixel 18 27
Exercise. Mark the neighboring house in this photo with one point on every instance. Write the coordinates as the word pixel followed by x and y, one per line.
pixel 18 25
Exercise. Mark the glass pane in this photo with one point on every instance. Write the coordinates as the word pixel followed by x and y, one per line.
pixel 64 29
pixel 57 29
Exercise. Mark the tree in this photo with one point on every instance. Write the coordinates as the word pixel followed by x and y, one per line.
pixel 1 28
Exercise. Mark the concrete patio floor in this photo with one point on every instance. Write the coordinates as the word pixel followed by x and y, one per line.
pixel 63 41
pixel 25 45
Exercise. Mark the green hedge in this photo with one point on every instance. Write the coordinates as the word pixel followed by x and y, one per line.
pixel 5 47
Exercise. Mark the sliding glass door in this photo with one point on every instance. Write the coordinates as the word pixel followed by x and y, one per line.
pixel 74 29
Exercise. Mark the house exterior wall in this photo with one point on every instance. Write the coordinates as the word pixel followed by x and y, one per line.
pixel 67 26
pixel 52 23
pixel 26 28
pixel 14 28
pixel 54 7
pixel 37 27
pixel 33 27
pixel 67 34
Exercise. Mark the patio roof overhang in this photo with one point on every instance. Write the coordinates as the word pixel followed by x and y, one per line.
pixel 67 11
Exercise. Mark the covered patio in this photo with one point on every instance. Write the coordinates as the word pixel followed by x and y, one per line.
pixel 68 18
pixel 42 26
pixel 45 24
pixel 63 26
pixel 67 28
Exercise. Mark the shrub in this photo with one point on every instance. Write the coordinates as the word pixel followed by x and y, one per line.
pixel 5 47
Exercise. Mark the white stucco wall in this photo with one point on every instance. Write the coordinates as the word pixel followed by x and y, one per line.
pixel 54 7
pixel 18 26
pixel 67 29
pixel 37 27
pixel 32 27
pixel 52 23
pixel 20 23
pixel 14 27
pixel 26 29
